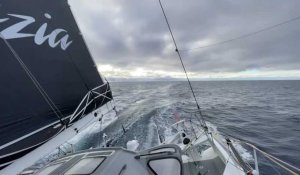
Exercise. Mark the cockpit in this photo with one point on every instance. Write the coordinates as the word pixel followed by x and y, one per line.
pixel 161 160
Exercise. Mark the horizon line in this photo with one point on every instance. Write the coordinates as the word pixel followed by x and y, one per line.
pixel 194 80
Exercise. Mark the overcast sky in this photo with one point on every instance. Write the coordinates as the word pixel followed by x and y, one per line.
pixel 130 39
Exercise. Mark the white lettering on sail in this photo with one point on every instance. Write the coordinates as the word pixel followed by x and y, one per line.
pixel 14 32
pixel 5 19
pixel 40 37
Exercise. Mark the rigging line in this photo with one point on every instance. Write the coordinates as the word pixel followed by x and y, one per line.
pixel 180 58
pixel 32 77
pixel 34 80
pixel 231 155
pixel 245 35
pixel 282 166
pixel 273 158
pixel 100 130
pixel 74 64
pixel 86 46
pixel 287 166
pixel 36 83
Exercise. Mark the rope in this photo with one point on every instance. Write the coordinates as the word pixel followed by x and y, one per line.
pixel 100 130
pixel 193 130
pixel 287 166
pixel 91 121
pixel 276 160
pixel 202 121
pixel 71 58
pixel 245 35
pixel 227 161
pixel 272 158
pixel 271 164
pixel 35 82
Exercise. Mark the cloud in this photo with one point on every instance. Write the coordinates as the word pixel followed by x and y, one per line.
pixel 132 35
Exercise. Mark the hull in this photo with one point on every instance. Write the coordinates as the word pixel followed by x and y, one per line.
pixel 20 147
pixel 30 156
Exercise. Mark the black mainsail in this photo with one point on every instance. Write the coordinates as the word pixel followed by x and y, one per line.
pixel 41 36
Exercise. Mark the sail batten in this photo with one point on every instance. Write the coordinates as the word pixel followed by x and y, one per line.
pixel 46 70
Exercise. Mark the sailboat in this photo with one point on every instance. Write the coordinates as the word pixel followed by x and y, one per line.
pixel 51 91
pixel 49 82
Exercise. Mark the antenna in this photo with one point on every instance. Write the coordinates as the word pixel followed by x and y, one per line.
pixel 202 121
pixel 245 35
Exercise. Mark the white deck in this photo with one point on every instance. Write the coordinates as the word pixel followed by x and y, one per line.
pixel 42 151
pixel 220 149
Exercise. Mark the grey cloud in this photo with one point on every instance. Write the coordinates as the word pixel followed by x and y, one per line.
pixel 135 36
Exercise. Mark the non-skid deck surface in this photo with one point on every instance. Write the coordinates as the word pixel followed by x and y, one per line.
pixel 208 167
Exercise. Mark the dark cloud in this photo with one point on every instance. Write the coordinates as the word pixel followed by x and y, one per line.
pixel 133 33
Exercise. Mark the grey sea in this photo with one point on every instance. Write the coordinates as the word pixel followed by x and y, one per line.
pixel 264 113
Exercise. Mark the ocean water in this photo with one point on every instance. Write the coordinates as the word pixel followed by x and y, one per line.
pixel 264 113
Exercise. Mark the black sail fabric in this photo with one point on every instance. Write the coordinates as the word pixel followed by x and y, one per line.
pixel 44 35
